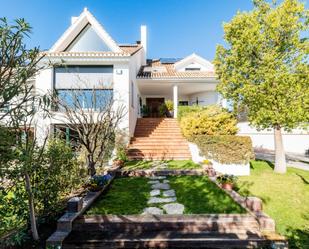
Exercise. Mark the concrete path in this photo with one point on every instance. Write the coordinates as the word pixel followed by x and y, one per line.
pixel 293 160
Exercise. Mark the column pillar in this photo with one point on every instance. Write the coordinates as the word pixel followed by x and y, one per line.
pixel 175 98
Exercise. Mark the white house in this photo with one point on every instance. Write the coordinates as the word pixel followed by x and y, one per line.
pixel 86 51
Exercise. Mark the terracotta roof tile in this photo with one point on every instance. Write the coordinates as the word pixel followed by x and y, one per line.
pixel 127 50
pixel 156 69
pixel 130 48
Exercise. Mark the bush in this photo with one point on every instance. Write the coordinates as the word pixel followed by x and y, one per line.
pixel 58 176
pixel 185 110
pixel 211 120
pixel 225 149
pixel 52 181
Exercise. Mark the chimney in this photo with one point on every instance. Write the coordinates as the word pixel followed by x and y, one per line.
pixel 144 38
pixel 73 19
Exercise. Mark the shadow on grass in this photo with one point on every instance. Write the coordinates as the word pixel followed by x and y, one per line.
pixel 305 181
pixel 298 238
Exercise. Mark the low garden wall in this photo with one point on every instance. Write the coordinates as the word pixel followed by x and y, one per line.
pixel 227 154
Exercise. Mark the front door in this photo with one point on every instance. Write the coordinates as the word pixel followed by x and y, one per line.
pixel 153 105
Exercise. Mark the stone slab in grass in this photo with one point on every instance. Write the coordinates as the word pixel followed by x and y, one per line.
pixel 153 211
pixel 164 186
pixel 169 193
pixel 154 182
pixel 174 208
pixel 155 192
pixel 157 177
pixel 154 200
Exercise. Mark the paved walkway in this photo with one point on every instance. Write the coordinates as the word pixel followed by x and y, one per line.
pixel 293 160
pixel 163 199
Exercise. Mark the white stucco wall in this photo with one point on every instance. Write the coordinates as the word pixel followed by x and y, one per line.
pixel 296 141
pixel 121 79
pixel 136 62
pixel 205 98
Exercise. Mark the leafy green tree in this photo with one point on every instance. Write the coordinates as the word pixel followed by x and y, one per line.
pixel 18 65
pixel 264 67
pixel 19 106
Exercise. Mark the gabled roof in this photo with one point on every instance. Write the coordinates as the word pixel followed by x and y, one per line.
pixel 80 23
pixel 194 58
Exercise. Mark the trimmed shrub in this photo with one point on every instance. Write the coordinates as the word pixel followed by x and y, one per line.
pixel 225 149
pixel 185 110
pixel 212 120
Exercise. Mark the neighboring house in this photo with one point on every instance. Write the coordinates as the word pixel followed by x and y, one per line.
pixel 88 53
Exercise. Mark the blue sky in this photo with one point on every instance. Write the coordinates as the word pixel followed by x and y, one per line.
pixel 176 28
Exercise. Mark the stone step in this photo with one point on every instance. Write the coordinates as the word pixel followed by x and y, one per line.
pixel 157 131
pixel 159 157
pixel 155 149
pixel 163 145
pixel 159 136
pixel 160 146
pixel 163 239
pixel 191 224
pixel 161 139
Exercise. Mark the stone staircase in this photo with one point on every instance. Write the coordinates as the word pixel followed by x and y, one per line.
pixel 166 231
pixel 158 139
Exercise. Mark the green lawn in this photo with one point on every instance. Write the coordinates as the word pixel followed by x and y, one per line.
pixel 285 198
pixel 126 196
pixel 201 196
pixel 171 164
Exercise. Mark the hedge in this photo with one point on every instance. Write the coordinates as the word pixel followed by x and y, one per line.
pixel 211 120
pixel 227 149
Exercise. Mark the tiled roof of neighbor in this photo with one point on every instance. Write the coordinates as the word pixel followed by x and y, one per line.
pixel 128 50
pixel 158 69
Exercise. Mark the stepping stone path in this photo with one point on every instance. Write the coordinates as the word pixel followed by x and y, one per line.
pixel 152 210
pixel 173 208
pixel 162 193
pixel 161 186
pixel 169 193
pixel 155 192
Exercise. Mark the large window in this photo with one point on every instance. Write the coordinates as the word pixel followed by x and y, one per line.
pixel 83 77
pixel 95 99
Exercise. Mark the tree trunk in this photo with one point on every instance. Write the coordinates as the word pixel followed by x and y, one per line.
pixel 91 166
pixel 280 162
pixel 34 229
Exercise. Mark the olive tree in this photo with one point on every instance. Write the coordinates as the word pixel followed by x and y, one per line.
pixel 264 67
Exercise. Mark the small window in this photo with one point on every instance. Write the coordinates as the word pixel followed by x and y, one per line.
pixel 193 69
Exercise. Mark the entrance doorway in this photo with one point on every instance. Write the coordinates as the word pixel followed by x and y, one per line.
pixel 153 104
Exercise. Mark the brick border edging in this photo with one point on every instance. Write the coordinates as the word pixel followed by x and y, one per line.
pixel 254 206
pixel 164 172
pixel 64 223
